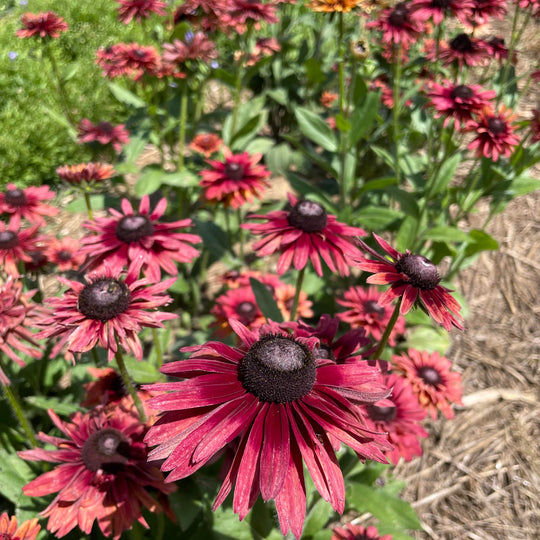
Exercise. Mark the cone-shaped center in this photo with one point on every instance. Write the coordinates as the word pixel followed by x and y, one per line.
pixel 381 414
pixel 496 125
pixel 234 171
pixel 372 307
pixel 429 375
pixel 277 369
pixel 64 255
pixel 422 273
pixel 105 127
pixel 462 91
pixel 441 3
pixel 461 43
pixel 308 216
pixel 104 299
pixel 105 449
pixel 8 239
pixel 133 228
pixel 247 311
pixel 399 15
pixel 15 197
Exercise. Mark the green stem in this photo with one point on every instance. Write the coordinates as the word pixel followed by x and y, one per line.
pixel 240 234
pixel 157 345
pixel 511 48
pixel 299 281
pixel 238 82
pixel 127 382
pixel 62 95
pixel 342 135
pixel 396 107
pixel 88 206
pixel 183 119
pixel 389 327
pixel 95 356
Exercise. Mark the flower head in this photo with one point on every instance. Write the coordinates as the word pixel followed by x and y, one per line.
pixel 398 25
pixel 463 50
pixel 284 404
pixel 44 24
pixel 26 531
pixel 415 279
pixel 331 6
pixel 16 245
pixel 139 9
pixel 199 47
pixel 85 173
pixel 305 232
pixel 206 143
pixel 102 476
pixel 243 11
pixel 435 386
pixel 483 11
pixel 28 203
pixel 139 240
pixel 107 311
pixel 357 532
pixel 497 49
pixel 128 60
pixel 438 10
pixel 65 253
pixel 103 133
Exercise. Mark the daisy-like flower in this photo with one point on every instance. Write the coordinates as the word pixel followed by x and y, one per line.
pixel 483 11
pixel 197 47
pixel 327 98
pixel 106 311
pixel 15 246
pixel 438 10
pixel 435 386
pixel 128 60
pixel 85 173
pixel 364 311
pixel 102 476
pixel 65 253
pixel 498 50
pixel 285 405
pixel 139 240
pixel 463 50
pixel 210 15
pixel 103 133
pixel 43 24
pixel 494 133
pixel 331 6
pixel 415 279
pixel 284 295
pixel 398 25
pixel 399 415
pixel 139 9
pixel 245 11
pixel 28 203
pixel 25 531
pixel 306 232
pixel 17 316
pixel 235 181
pixel 458 102
pixel 357 532
pixel 206 144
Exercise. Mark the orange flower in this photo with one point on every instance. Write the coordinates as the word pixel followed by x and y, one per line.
pixel 27 531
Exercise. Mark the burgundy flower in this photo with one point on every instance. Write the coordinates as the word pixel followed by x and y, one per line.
pixel 435 386
pixel 498 50
pixel 128 60
pixel 245 11
pixel 106 311
pixel 103 133
pixel 413 278
pixel 209 15
pixel 236 180
pixel 139 9
pixel 139 240
pixel 458 102
pixel 437 10
pixel 357 532
pixel 15 246
pixel 28 203
pixel 494 133
pixel 398 25
pixel 85 173
pixel 462 49
pixel 44 24
pixel 483 11
pixel 206 143
pixel 198 47
pixel 25 531
pixel 306 232
pixel 102 474
pixel 285 405
pixel 366 312
pixel 534 125
pixel 65 253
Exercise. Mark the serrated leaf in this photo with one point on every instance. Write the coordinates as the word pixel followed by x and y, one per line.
pixel 265 301
pixel 316 129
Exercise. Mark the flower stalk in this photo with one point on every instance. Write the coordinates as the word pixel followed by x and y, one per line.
pixel 391 323
pixel 128 384
pixel 299 281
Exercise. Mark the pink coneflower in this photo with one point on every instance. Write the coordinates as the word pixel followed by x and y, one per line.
pixel 438 10
pixel 139 240
pixel 206 143
pixel 197 47
pixel 103 133
pixel 17 316
pixel 28 203
pixel 128 59
pixel 235 181
pixel 65 253
pixel 366 312
pixel 245 11
pixel 284 295
pixel 235 279
pixel 415 279
pixel 209 15
pixel 15 245
pixel 44 24
pixel 263 47
pixel 85 173
pixel 107 311
pixel 25 531
pixel 398 25
pixel 327 98
pixel 306 232
pixel 483 11
pixel 463 50
pixel 139 9
pixel 458 102
pixel 102 474
pixel 494 133
pixel 435 386
pixel 399 415
pixel 357 532
pixel 498 50
pixel 534 125
pixel 286 407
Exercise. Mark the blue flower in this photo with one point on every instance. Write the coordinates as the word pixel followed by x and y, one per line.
pixel 12 54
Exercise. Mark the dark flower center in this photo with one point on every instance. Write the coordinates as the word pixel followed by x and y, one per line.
pixel 277 369
pixel 15 197
pixel 105 127
pixel 429 375
pixel 441 3
pixel 5 536
pixel 373 307
pixel 234 171
pixel 64 255
pixel 399 15
pixel 496 125
pixel 308 216
pixel 246 310
pixel 8 239
pixel 462 91
pixel 133 228
pixel 496 42
pixel 106 449
pixel 381 414
pixel 462 43
pixel 104 299
pixel 422 273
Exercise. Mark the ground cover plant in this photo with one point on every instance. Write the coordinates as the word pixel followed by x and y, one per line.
pixel 245 336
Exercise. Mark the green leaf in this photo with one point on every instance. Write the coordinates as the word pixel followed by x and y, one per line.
pixel 315 74
pixel 186 503
pixel 342 123
pixel 150 181
pixel 215 239
pixel 317 518
pixel 384 154
pixel 265 301
pixel 125 96
pixel 378 183
pixel 60 406
pixel 443 233
pixel 260 145
pixel 482 241
pixel 142 372
pixel 182 179
pixel 446 173
pixel 428 338
pixel 405 235
pixel 14 474
pixel 279 158
pixel 363 117
pixel 375 217
pixel 407 201
pixel 316 129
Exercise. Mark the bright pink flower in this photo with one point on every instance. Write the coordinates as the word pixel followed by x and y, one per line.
pixel 437 10
pixel 198 47
pixel 463 50
pixel 209 15
pixel 483 11
pixel 16 245
pixel 398 25
pixel 103 133
pixel 139 9
pixel 497 50
pixel 252 10
pixel 357 532
pixel 26 531
pixel 44 24
pixel 28 203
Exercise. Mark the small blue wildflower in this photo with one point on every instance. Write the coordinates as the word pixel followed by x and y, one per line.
pixel 188 36
pixel 214 64
pixel 12 55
